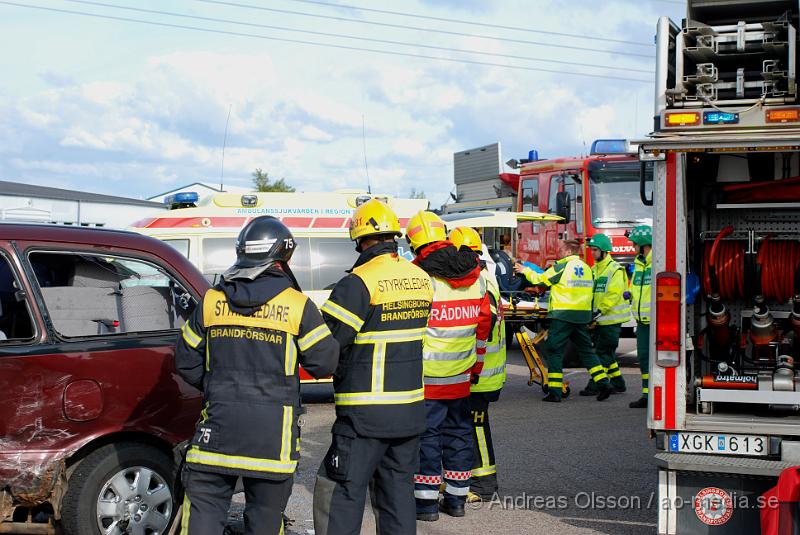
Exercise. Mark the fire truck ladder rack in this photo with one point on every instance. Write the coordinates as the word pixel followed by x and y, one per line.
pixel 742 63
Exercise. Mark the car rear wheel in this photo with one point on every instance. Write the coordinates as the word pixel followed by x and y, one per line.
pixel 120 489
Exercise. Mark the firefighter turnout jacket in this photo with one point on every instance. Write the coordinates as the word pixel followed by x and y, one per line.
pixel 571 289
pixel 610 285
pixel 493 374
pixel 378 315
pixel 459 324
pixel 241 347
pixel 640 288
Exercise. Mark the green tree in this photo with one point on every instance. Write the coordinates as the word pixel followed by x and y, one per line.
pixel 416 194
pixel 261 182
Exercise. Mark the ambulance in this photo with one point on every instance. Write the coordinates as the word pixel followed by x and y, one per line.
pixel 205 232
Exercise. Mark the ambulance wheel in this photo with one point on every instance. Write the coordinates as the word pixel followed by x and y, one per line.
pixel 124 484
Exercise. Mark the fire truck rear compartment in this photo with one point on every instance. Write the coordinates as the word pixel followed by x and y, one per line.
pixel 743 218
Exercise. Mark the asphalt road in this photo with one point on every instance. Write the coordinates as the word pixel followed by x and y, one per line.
pixel 580 467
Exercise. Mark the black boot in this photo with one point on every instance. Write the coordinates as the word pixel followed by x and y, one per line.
pixel 590 390
pixel 452 509
pixel 640 403
pixel 551 398
pixel 427 517
pixel 605 391
pixel 429 510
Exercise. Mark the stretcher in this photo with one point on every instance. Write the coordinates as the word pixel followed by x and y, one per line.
pixel 538 369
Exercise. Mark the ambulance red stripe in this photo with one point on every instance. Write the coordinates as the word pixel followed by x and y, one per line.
pixel 297 222
pixel 328 222
pixel 197 222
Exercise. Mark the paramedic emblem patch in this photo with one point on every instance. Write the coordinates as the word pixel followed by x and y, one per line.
pixel 713 506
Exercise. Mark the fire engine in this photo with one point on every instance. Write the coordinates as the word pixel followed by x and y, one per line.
pixel 593 194
pixel 724 401
pixel 205 232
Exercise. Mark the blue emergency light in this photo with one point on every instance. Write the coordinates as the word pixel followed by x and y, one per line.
pixel 184 199
pixel 610 146
pixel 720 117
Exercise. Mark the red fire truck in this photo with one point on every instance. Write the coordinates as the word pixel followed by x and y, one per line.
pixel 595 193
pixel 724 402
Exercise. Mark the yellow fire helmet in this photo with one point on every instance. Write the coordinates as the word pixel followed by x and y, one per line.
pixel 466 236
pixel 373 218
pixel 424 228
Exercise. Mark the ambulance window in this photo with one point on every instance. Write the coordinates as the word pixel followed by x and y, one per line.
pixel 332 258
pixel 300 263
pixel 218 255
pixel 182 246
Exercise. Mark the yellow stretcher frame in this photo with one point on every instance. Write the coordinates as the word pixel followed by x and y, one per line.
pixel 537 367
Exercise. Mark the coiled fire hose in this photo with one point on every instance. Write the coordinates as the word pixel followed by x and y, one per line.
pixel 723 268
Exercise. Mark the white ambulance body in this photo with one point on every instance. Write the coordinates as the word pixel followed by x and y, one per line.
pixel 319 221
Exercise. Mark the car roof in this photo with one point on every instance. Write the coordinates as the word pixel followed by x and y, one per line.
pixel 112 238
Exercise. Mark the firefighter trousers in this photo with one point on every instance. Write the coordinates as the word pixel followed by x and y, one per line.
pixel 484 468
pixel 355 465
pixel 208 498
pixel 445 450
pixel 643 352
pixel 558 334
pixel 606 341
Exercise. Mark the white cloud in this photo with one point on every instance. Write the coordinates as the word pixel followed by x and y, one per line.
pixel 297 111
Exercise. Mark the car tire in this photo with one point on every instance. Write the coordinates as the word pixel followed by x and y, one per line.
pixel 124 482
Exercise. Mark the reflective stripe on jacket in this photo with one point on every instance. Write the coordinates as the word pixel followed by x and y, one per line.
pixel 571 289
pixel 610 285
pixel 493 374
pixel 640 288
pixel 247 369
pixel 455 341
pixel 379 314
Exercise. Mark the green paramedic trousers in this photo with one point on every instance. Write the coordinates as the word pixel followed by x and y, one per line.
pixel 606 341
pixel 558 334
pixel 643 352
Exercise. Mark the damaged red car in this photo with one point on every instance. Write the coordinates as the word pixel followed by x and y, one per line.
pixel 91 407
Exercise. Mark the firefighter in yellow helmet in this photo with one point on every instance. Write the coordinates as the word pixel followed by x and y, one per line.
pixel 453 354
pixel 378 314
pixel 241 347
pixel 492 378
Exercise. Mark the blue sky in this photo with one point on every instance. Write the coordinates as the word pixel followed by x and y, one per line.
pixel 131 109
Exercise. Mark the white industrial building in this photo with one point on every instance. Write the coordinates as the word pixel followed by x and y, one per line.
pixel 31 203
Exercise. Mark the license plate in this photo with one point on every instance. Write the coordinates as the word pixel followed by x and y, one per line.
pixel 721 444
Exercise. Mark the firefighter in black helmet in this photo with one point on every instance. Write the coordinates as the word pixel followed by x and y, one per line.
pixel 241 347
